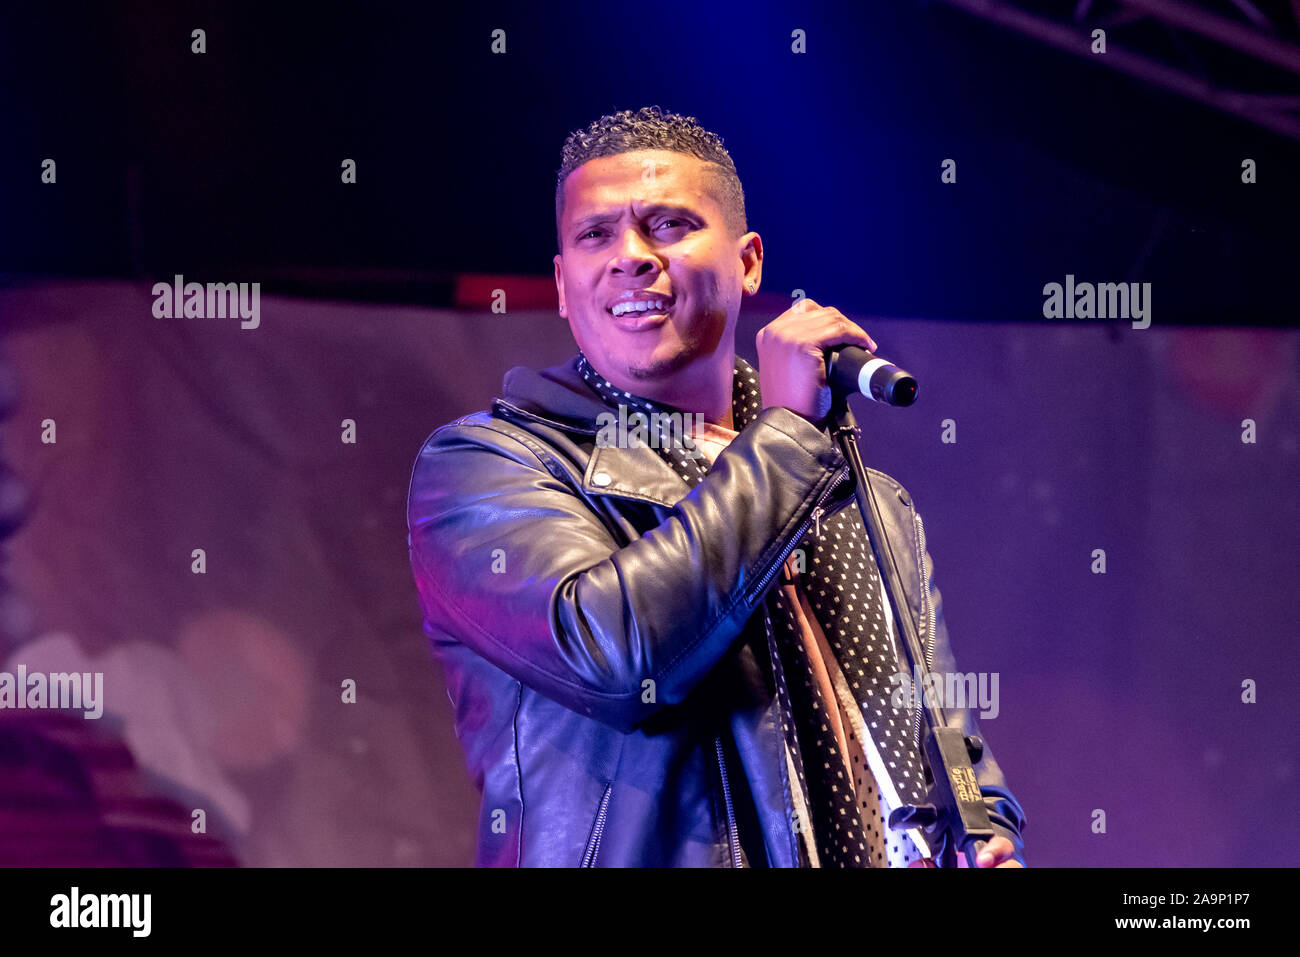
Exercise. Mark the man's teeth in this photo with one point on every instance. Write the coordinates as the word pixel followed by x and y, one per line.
pixel 640 306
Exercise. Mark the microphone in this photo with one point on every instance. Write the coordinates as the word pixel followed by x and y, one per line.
pixel 851 369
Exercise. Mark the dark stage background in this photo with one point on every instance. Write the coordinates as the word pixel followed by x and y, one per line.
pixel 1120 692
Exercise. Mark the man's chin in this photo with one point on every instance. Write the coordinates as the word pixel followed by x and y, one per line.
pixel 659 366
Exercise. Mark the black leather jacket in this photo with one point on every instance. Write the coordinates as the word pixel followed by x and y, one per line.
pixel 603 633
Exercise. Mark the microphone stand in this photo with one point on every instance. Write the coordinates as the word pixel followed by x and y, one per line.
pixel 953 815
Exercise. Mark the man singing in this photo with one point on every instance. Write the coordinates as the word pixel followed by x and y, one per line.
pixel 677 651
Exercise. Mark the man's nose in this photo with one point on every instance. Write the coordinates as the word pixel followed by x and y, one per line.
pixel 633 254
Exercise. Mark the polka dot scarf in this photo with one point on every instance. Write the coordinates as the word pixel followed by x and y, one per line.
pixel 841 584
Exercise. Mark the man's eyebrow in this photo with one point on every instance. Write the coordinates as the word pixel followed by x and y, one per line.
pixel 649 211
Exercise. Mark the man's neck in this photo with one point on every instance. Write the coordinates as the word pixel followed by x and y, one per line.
pixel 710 391
pixel 723 392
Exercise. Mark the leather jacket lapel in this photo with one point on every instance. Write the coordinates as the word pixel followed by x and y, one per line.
pixel 639 473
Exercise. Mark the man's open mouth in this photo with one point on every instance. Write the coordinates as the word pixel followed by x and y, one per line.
pixel 640 307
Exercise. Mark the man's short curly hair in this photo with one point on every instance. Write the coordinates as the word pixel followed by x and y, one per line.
pixel 650 128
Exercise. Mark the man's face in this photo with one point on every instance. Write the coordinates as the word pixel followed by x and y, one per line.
pixel 644 226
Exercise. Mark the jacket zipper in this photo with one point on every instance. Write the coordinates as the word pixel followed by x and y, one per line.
pixel 733 835
pixel 794 540
pixel 593 846
pixel 928 611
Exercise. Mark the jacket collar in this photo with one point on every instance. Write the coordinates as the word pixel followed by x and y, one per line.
pixel 558 396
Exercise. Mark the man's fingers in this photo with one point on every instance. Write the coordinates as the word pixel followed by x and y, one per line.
pixel 791 350
pixel 830 328
pixel 996 852
pixel 840 331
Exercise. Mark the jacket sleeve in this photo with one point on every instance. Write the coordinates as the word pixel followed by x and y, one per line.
pixel 1005 812
pixel 513 561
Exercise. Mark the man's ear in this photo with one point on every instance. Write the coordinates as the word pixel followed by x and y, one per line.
pixel 751 255
pixel 559 279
